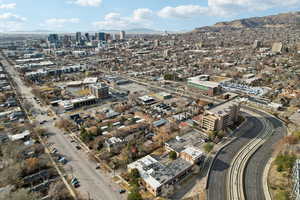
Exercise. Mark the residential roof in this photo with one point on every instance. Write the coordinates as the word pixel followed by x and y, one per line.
pixel 159 122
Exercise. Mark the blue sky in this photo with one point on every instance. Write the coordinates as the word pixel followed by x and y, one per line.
pixel 92 15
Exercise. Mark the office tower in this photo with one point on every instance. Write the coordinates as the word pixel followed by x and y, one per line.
pixel 78 36
pixel 87 37
pixel 107 37
pixel 101 36
pixel 53 38
pixel 122 35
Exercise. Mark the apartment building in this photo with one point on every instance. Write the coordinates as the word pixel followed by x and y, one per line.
pixel 99 90
pixel 220 117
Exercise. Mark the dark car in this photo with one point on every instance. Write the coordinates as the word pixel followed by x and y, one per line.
pixel 122 191
pixel 78 147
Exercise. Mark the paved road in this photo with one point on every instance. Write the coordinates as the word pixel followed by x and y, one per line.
pixel 94 184
pixel 217 179
pixel 255 168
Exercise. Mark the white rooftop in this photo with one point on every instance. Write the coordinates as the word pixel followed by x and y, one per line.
pixel 90 80
pixel 141 165
pixel 196 80
pixel 194 152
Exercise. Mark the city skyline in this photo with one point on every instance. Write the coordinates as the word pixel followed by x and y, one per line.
pixel 95 15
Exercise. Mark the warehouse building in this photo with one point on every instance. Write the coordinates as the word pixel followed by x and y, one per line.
pixel 208 88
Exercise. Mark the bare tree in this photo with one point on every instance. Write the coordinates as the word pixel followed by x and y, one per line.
pixel 58 191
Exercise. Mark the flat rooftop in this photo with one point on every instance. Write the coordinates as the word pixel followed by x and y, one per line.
pixel 190 139
pixel 197 81
pixel 156 173
pixel 222 108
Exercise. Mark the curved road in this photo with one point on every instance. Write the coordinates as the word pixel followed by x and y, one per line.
pixel 253 174
pixel 217 179
pixel 254 171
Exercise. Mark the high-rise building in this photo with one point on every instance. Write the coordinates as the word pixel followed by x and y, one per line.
pixel 87 37
pixel 53 38
pixel 67 40
pixel 100 36
pixel 122 35
pixel 78 36
pixel 156 43
pixel 113 36
pixel 107 36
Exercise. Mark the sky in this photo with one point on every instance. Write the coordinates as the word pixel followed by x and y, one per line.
pixel 93 15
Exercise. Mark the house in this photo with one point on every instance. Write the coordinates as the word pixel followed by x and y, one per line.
pixel 113 144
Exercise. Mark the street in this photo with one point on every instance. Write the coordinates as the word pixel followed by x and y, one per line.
pixel 94 184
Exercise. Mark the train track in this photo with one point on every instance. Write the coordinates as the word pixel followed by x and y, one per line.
pixel 235 175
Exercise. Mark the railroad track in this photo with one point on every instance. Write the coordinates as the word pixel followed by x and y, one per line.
pixel 235 175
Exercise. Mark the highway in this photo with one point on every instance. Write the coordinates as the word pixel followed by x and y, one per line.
pixel 235 174
pixel 94 184
pixel 218 175
pixel 255 168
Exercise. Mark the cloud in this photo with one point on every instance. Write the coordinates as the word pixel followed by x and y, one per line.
pixel 184 11
pixel 224 8
pixel 140 18
pixel 60 22
pixel 91 3
pixel 11 22
pixel 12 17
pixel 8 6
pixel 142 14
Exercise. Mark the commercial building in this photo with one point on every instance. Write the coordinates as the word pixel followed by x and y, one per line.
pixel 99 90
pixel 122 35
pixel 209 88
pixel 220 117
pixel 53 38
pixel 100 36
pixel 53 72
pixel 78 37
pixel 187 146
pixel 147 100
pixel 163 96
pixel 157 176
pixel 79 102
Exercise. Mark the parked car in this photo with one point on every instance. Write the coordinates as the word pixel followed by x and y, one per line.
pixel 62 160
pixel 78 147
pixel 75 182
pixel 122 191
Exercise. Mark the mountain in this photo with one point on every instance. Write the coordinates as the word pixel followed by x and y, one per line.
pixel 283 20
pixel 134 31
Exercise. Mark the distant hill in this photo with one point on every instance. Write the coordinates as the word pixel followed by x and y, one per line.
pixel 291 19
pixel 135 31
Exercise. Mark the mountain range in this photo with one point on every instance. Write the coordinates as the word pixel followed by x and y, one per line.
pixel 284 20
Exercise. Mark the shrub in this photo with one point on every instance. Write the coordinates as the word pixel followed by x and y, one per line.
pixel 208 147
pixel 285 162
pixel 172 155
